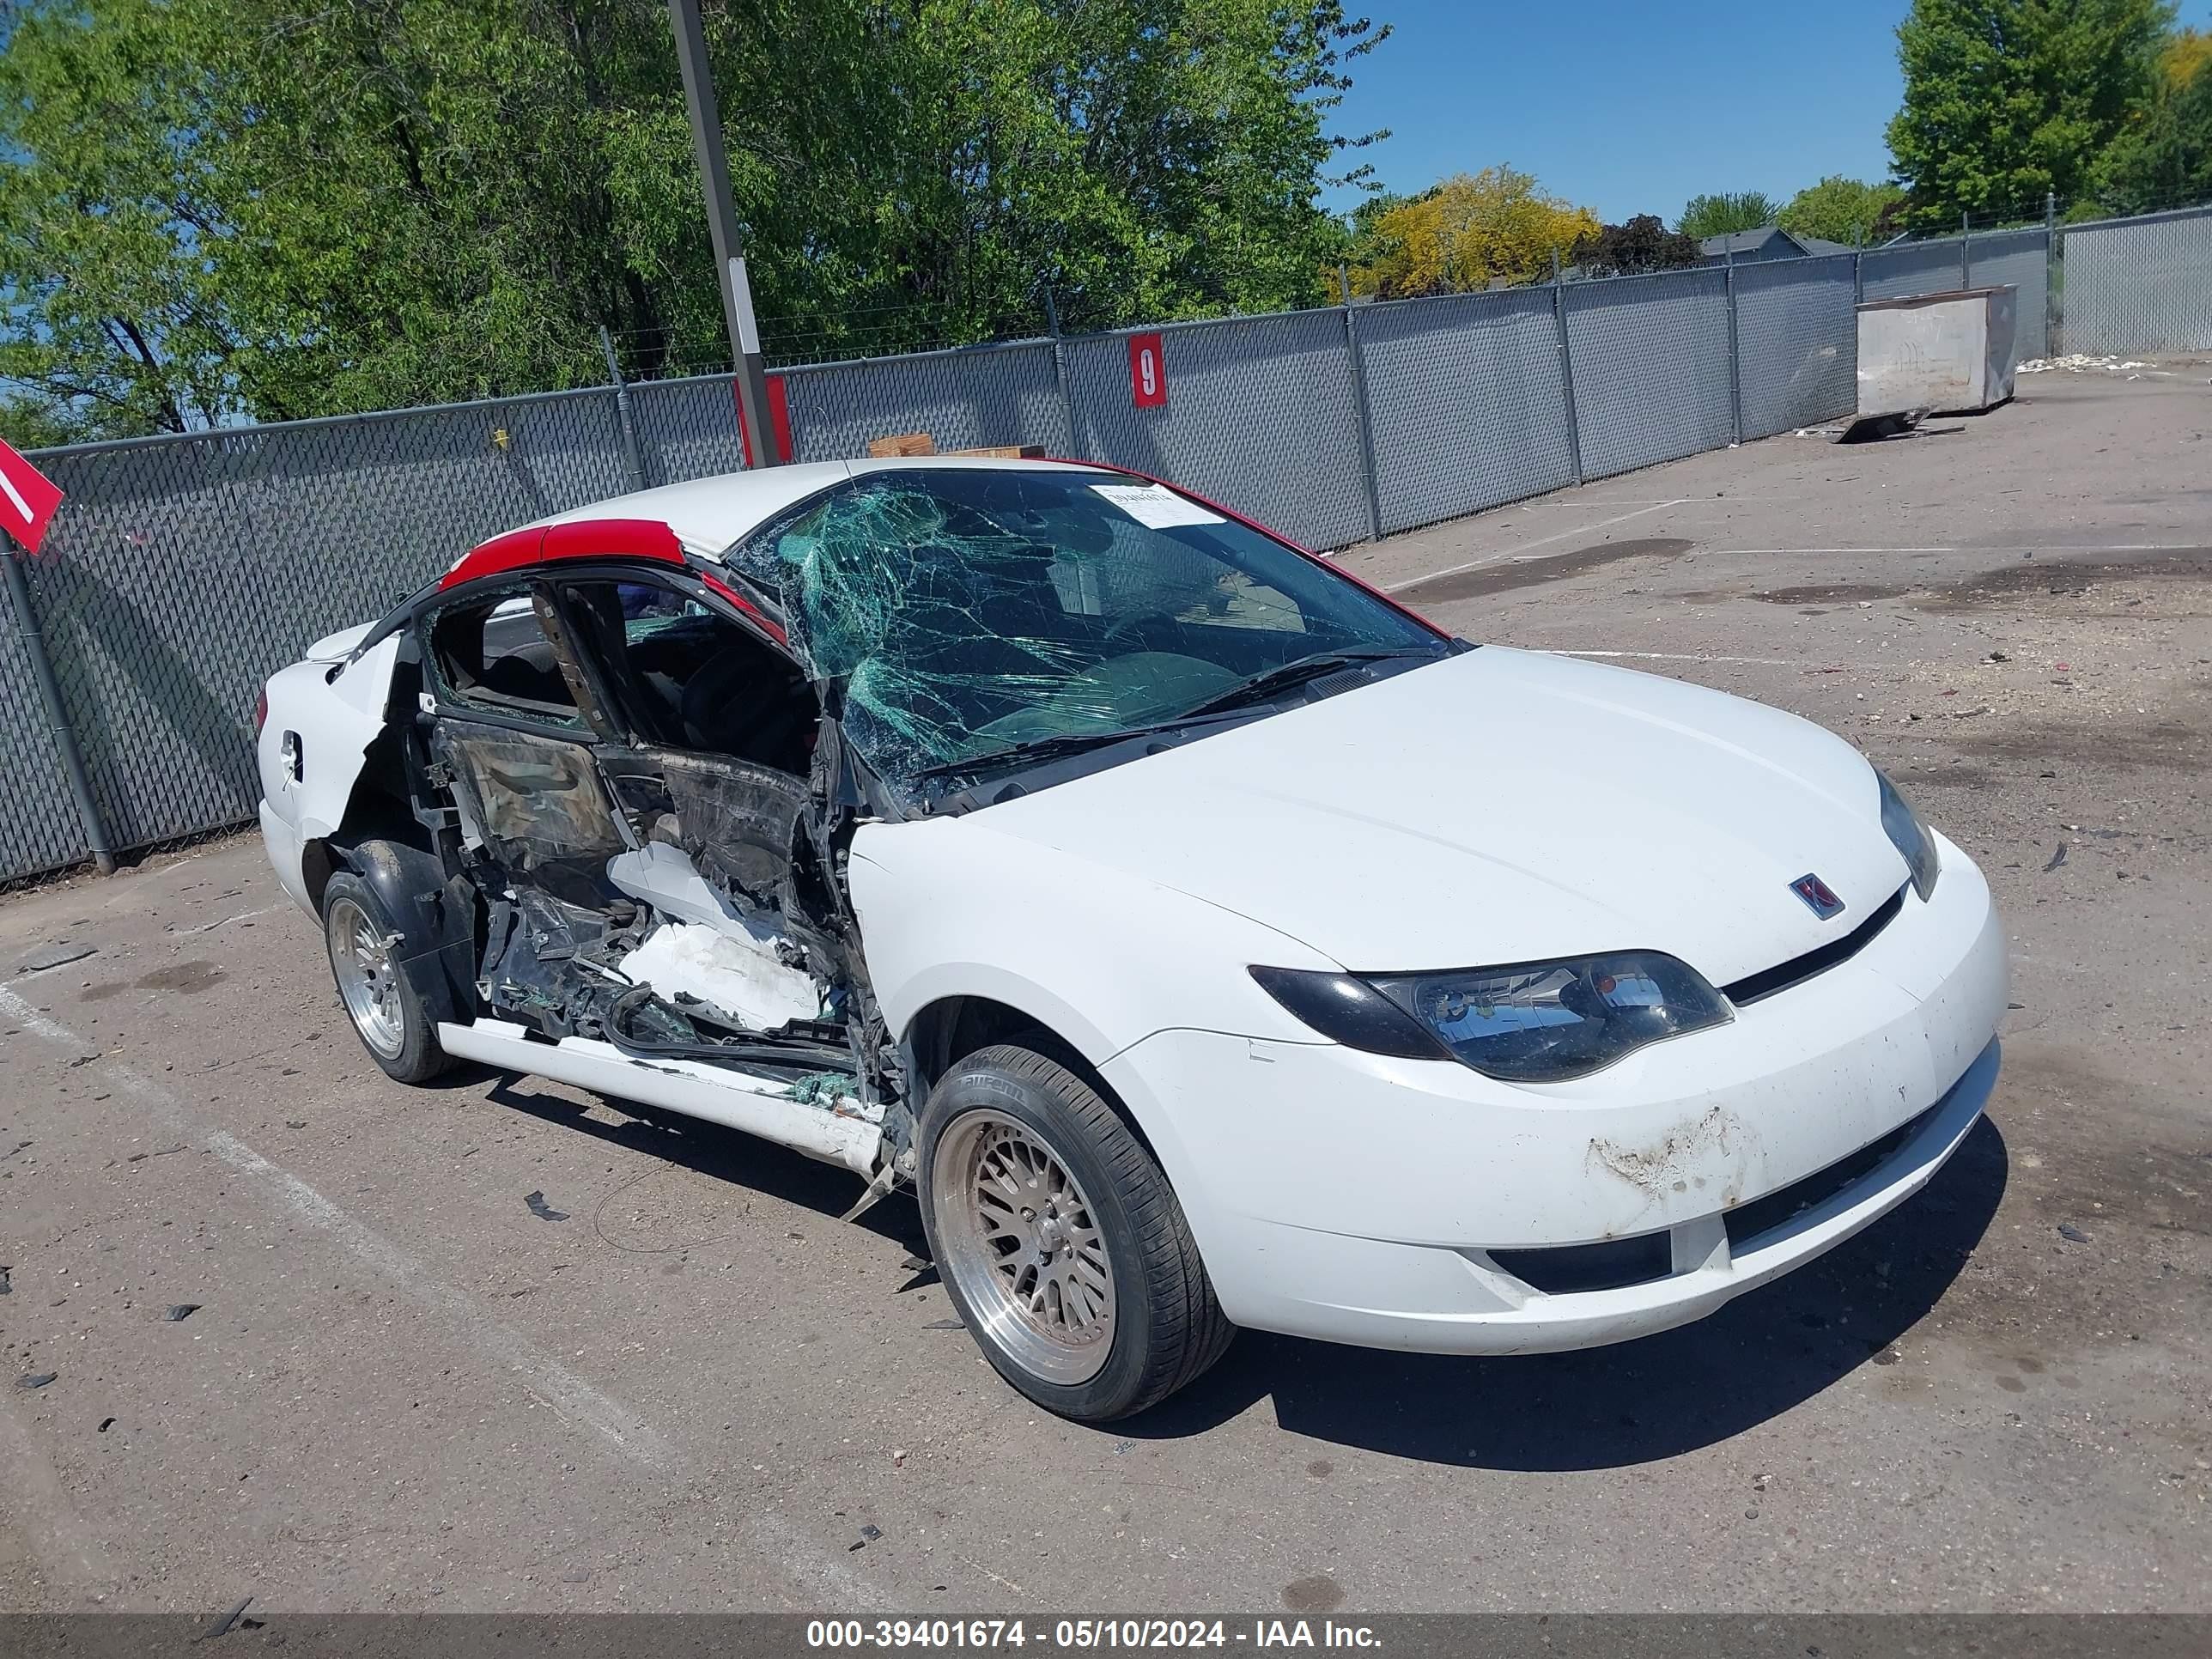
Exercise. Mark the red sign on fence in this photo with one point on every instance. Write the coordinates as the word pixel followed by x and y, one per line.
pixel 1148 371
pixel 27 498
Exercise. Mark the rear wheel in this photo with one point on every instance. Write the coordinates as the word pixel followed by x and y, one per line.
pixel 388 1014
pixel 1059 1240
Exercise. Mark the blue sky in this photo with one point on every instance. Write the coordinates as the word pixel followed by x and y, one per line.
pixel 1633 105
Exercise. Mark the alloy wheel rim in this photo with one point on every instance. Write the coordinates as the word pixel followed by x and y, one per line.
pixel 1021 1240
pixel 368 980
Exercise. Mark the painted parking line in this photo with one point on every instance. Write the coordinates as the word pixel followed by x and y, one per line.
pixel 623 1430
pixel 1525 548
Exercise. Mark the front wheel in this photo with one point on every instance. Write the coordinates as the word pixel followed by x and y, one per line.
pixel 388 1013
pixel 1059 1240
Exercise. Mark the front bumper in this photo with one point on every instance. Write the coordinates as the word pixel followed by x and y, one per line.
pixel 1358 1198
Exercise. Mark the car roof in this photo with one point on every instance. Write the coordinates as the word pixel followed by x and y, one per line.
pixel 709 514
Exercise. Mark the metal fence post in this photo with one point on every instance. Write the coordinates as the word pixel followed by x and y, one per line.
pixel 1059 374
pixel 633 460
pixel 1735 369
pixel 1567 368
pixel 1965 250
pixel 1359 362
pixel 49 694
pixel 2054 275
pixel 1858 277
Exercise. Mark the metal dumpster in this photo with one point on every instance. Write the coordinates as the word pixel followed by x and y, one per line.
pixel 1937 353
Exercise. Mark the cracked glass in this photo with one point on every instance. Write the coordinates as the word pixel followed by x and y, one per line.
pixel 964 612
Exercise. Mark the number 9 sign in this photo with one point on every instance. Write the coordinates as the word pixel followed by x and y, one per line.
pixel 1148 372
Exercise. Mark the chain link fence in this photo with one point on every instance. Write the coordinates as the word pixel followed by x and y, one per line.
pixel 180 572
pixel 1797 341
pixel 1651 371
pixel 39 827
pixel 1259 415
pixel 1467 401
pixel 964 399
pixel 2021 259
pixel 2139 285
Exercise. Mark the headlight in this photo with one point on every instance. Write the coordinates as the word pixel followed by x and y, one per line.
pixel 1542 1021
pixel 1910 838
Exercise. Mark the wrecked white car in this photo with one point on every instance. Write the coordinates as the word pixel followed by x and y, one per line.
pixel 1208 940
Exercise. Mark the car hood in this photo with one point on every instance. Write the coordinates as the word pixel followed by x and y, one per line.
pixel 1499 806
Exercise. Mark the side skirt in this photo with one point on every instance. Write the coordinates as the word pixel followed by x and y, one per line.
pixel 841 1130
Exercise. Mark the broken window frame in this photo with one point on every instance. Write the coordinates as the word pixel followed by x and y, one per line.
pixel 483 703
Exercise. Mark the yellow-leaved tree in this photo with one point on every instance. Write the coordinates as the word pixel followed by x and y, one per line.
pixel 2187 53
pixel 1465 232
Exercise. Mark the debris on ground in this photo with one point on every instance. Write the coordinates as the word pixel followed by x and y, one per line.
pixel 541 1209
pixel 1872 429
pixel 898 1458
pixel 5 1287
pixel 915 1264
pixel 221 1626
pixel 180 1311
pixel 2056 858
pixel 2079 363
pixel 945 1325
pixel 36 1379
pixel 868 1536
pixel 2072 1235
pixel 106 1424
pixel 59 954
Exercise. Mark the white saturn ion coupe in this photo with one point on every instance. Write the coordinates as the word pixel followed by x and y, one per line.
pixel 1206 939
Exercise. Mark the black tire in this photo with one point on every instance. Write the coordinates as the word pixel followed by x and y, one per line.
pixel 1166 1327
pixel 402 1038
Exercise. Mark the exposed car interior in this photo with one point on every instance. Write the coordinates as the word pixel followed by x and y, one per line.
pixel 628 771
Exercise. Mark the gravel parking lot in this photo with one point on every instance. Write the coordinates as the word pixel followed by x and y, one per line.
pixel 496 1345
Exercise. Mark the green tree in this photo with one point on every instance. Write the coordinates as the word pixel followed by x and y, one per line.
pixel 1730 210
pixel 2006 99
pixel 218 208
pixel 1840 209
pixel 2166 159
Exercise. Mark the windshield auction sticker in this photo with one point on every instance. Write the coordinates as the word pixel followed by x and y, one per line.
pixel 1156 507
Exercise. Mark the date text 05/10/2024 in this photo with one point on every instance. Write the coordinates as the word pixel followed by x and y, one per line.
pixel 1081 1635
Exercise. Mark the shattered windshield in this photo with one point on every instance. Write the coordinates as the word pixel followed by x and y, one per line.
pixel 972 611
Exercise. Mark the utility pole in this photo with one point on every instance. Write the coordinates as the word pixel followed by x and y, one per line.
pixel 722 226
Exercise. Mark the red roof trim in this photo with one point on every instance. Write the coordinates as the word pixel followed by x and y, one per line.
pixel 1329 565
pixel 584 539
pixel 509 552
